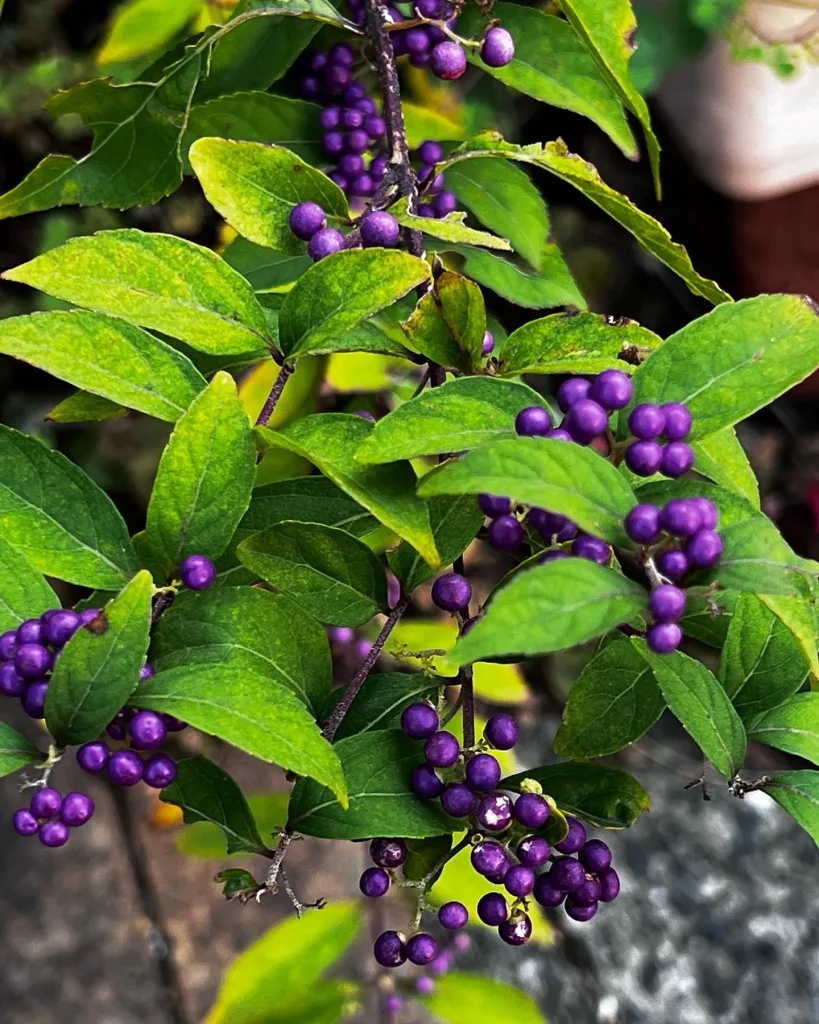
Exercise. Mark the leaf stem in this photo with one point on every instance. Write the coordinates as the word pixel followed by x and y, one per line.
pixel 282 377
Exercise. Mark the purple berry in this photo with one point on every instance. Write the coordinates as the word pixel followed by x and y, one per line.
pixel 342 54
pixel 424 985
pixel 389 949
pixel 77 809
pixel 488 345
pixel 146 672
pixel 337 78
pixel 452 592
pixel 25 824
pixel 495 812
pixel 502 731
pixel 419 721
pixel 519 880
pixel 672 564
pixel 667 603
pixel 442 750
pixel 531 810
pixel 375 127
pixel 8 645
pixel 595 855
pixel 444 203
pixel 483 773
pixel 458 800
pixel 546 894
pixel 644 458
pixel 430 152
pixel 552 556
pixel 709 515
pixel 30 632
pixel 612 389
pixel 89 615
pixel 374 882
pixel 559 434
pixel 352 118
pixel 357 141
pixel 505 533
pixel 517 930
pixel 680 518
pixel 587 894
pixel 33 700
pixel 148 731
pixel 572 391
pixel 333 143
pixel 355 94
pixel 493 909
pixel 367 107
pixel 586 420
pixel 579 913
pixel 704 549
pixel 125 768
pixel 388 853
pixel 494 507
pixel 677 459
pixel 306 219
pixel 54 834
pixel 429 9
pixel 461 943
pixel 325 243
pixel 378 168
pixel 318 62
pixel 567 874
pixel 393 1004
pixel 677 421
pixel 533 421
pixel 11 684
pixel 533 851
pixel 664 637
pixel 197 572
pixel 421 949
pixel 420 60
pixel 592 548
pixel 575 838
pixel 116 729
pixel 498 48
pixel 453 915
pixel 93 757
pixel 489 858
pixel 448 61
pixel 173 724
pixel 609 884
pixel 310 88
pixel 646 422
pixel 416 40
pixel 425 782
pixel 350 165
pixel 380 228
pixel 643 524
pixel 160 771
pixel 546 523
pixel 329 119
pixel 32 660
pixel 46 803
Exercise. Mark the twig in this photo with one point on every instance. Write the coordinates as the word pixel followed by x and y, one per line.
pixel 465 675
pixel 53 758
pixel 269 407
pixel 738 787
pixel 299 907
pixel 271 880
pixel 700 782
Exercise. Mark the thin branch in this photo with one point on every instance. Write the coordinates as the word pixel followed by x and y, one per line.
pixel 465 675
pixel 271 881
pixel 269 408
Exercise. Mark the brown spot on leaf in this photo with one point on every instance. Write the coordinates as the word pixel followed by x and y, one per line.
pixel 631 39
pixel 98 625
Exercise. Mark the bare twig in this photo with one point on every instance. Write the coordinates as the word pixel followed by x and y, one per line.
pixel 53 758
pixel 269 407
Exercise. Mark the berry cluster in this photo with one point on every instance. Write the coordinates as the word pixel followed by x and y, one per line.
pixel 51 816
pixel 681 537
pixel 424 984
pixel 431 46
pixel 648 423
pixel 436 201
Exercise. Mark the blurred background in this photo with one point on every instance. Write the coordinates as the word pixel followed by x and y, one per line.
pixel 718 923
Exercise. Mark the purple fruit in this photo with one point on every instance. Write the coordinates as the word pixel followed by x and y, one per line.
pixel 677 459
pixel 148 731
pixel 419 721
pixel 502 731
pixel 677 421
pixel 575 839
pixel 704 549
pixel 505 533
pixel 519 880
pixel 350 165
pixel 444 203
pixel 388 853
pixel 592 548
pixel 54 834
pixel 644 458
pixel 77 809
pixel 586 420
pixel 93 757
pixel 667 603
pixel 572 391
pixel 595 855
pixel 380 228
pixel 517 930
pixel 579 913
pixel 116 729
pixel 552 556
pixel 709 515
pixel 421 949
pixel 374 883
pixel 546 523
pixel 89 615
pixel 32 660
pixel 489 858
pixel 329 119
pixel 146 672
pixel 11 684
pixel 643 524
pixel 483 773
pixel 533 851
pixel 609 884
pixel 458 800
pixel 546 894
pixel 430 152
pixel 531 810
pixel 342 54
pixel 46 803
pixel 680 517
pixel 453 915
pixel 160 771
pixel 533 421
pixel 587 894
pixel 452 592
pixel 25 824
pixel 333 143
pixel 494 507
pixel 559 434
pixel 337 78
pixel 125 768
pixel 389 949
pixel 8 645
pixel 33 700
pixel 495 812
pixel 567 874
pixel 357 141
pixel 173 724
pixel 442 750
pixel 612 389
pixel 393 1004
pixel 424 985
pixel 197 572
pixel 493 909
pixel 375 127
pixel 448 61
pixel 425 782
pixel 672 564
pixel 488 343
pixel 352 118
pixel 30 632
pixel 324 243
pixel 306 219
pixel 664 637
pixel 646 422
pixel 498 48
pixel 416 40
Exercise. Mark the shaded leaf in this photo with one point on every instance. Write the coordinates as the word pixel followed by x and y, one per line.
pixel 24 593
pixel 798 794
pixel 207 840
pixel 448 229
pixel 15 751
pixel 264 268
pixel 552 285
pixel 83 407
pixel 793 726
pixel 455 522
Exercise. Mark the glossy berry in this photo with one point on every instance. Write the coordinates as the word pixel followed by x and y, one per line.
pixel 677 421
pixel 125 768
pixel 612 389
pixel 33 700
pixel 493 909
pixel 505 533
pixel 498 48
pixel 517 930
pixel 30 632
pixel 494 507
pixel 458 800
pixel 567 874
pixel 483 773
pixel 77 809
pixel 8 645
pixel 160 771
pixel 419 721
pixel 374 882
pixel 667 603
pixel 546 523
pixel 325 243
pixel 595 855
pixel 148 731
pixel 389 949
pixel 558 434
pixel 25 824
pixel 333 143
pixel 533 421
pixel 592 548
pixel 197 572
pixel 531 810
pixel 572 391
pixel 146 672
pixel 93 757
pixel 442 750
pixel 306 219
pixel 452 592
pixel 350 165
pixel 587 894
pixel 489 858
pixel 709 516
pixel 609 885
pixel 54 834
pixel 46 803
pixel 421 949
pixel 375 126
pixel 329 119
pixel 453 915
pixel 673 564
pixel 425 783
pixel 519 880
pixel 495 812
pixel 677 459
pixel 704 549
pixel 488 345
pixel 546 894
pixel 379 228
pixel 646 422
pixel 643 524
pixel 448 61
pixel 388 853
pixel 533 851
pixel 89 615
pixel 552 556
pixel 644 458
pixel 60 627
pixel 502 731
pixel 32 660
pixel 586 420
pixel 11 684
pixel 664 637
pixel 680 517
pixel 352 118
pixel 577 912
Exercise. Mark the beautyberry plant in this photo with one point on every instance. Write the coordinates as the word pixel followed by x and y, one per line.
pixel 622 511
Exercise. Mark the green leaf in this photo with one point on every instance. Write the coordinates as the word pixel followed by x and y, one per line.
pixel 154 280
pixel 448 229
pixel 83 407
pixel 798 615
pixel 249 710
pixel 454 417
pixel 329 573
pixel 99 666
pixel 205 478
pixel 24 593
pixel 503 198
pixel 105 356
pixel 793 726
pixel 58 518
pixel 262 267
pixel 330 442
pixel 321 10
pixel 549 608
pixel 341 292
pixel 455 523
pixel 614 701
pixel 709 621
pixel 697 699
pixel 556 158
pixel 425 122
pixel 463 310
pixel 428 333
pixel 762 663
pixel 259 117
pixel 798 794
pixel 143 26
pixel 423 855
pixel 377 766
pixel 378 704
pixel 602 796
pixel 722 459
pixel 15 751
pixel 552 65
pixel 563 478
pixel 254 187
pixel 232 880
pixel 206 840
pixel 734 360
pixel 582 343
pixel 207 793
pixel 552 285
pixel 247 628
pixel 460 998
